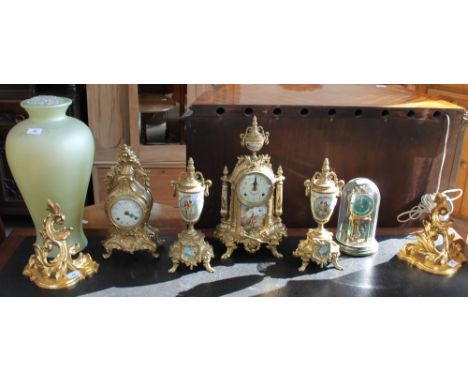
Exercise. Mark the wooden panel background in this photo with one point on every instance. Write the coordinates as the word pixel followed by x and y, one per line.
pixel 108 118
pixel 113 113
pixel 398 145
pixel 457 94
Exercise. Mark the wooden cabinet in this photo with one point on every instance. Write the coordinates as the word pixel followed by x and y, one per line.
pixel 196 90
pixel 11 201
pixel 113 116
pixel 386 133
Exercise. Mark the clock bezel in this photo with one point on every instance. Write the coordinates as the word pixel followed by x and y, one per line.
pixel 265 199
pixel 112 199
pixel 138 202
pixel 354 200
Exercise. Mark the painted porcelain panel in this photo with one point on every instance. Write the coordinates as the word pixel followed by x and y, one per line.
pixel 189 252
pixel 191 206
pixel 322 205
pixel 252 217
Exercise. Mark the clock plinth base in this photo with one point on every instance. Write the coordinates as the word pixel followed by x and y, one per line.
pixel 252 241
pixel 132 242
pixel 355 250
pixel 228 253
pixel 191 249
pixel 319 248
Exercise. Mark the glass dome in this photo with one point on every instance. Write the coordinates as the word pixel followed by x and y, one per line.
pixel 357 219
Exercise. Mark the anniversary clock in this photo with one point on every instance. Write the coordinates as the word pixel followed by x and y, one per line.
pixel 128 207
pixel 357 219
pixel 252 199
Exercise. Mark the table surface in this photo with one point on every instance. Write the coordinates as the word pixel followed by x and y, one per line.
pixel 245 274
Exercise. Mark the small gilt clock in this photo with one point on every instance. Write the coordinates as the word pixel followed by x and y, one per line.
pixel 128 207
pixel 252 199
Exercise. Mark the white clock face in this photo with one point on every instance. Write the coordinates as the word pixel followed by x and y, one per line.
pixel 254 189
pixel 126 213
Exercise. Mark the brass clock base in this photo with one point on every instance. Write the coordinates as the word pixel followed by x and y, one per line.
pixel 319 248
pixel 370 248
pixel 272 248
pixel 251 242
pixel 191 249
pixel 134 241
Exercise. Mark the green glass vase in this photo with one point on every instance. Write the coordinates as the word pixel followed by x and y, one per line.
pixel 51 156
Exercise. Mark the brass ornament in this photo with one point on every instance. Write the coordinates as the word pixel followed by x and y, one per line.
pixel 128 207
pixel 323 190
pixel 190 248
pixel 252 199
pixel 444 258
pixel 62 270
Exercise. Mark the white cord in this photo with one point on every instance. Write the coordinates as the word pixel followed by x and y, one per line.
pixel 427 204
pixel 427 200
pixel 444 152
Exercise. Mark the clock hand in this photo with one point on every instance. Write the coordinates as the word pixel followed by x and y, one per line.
pixel 255 184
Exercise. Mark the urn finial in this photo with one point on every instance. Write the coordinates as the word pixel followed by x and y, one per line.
pixel 254 137
pixel 190 168
pixel 325 180
pixel 326 166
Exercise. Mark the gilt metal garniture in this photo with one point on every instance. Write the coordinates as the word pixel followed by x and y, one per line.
pixel 435 250
pixel 323 190
pixel 191 248
pixel 252 199
pixel 128 207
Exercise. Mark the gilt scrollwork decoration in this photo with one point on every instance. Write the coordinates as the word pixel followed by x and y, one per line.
pixel 63 269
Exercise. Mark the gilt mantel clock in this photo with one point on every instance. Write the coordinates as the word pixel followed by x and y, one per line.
pixel 252 199
pixel 128 207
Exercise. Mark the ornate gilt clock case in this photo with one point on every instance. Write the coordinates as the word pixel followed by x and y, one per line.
pixel 252 199
pixel 128 207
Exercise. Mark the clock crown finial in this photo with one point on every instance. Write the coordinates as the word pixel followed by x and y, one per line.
pixel 254 121
pixel 254 137
pixel 127 155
